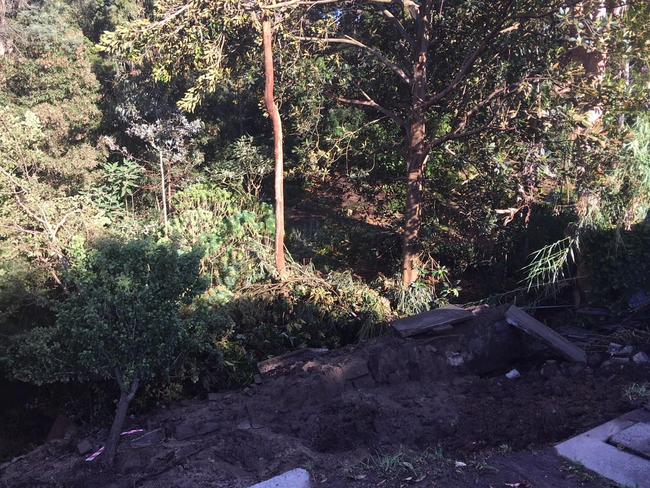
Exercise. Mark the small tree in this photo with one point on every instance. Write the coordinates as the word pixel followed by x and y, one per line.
pixel 123 322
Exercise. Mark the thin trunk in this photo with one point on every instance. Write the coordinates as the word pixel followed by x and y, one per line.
pixel 3 27
pixel 417 155
pixel 118 422
pixel 162 191
pixel 272 109
pixel 169 187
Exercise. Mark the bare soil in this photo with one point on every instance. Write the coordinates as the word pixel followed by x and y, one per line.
pixel 389 412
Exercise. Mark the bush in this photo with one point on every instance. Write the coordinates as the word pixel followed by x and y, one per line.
pixel 124 321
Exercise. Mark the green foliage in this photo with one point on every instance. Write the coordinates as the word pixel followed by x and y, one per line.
pixel 549 264
pixel 434 288
pixel 119 183
pixel 243 164
pixel 307 310
pixel 231 227
pixel 123 321
pixel 618 263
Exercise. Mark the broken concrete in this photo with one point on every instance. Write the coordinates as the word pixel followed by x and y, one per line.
pixel 438 320
pixel 187 430
pixel 149 439
pixel 593 450
pixel 520 319
pixel 635 439
pixel 296 478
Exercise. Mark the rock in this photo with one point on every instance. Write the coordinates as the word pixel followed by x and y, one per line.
pixel 623 351
pixel 296 478
pixel 513 374
pixel 614 347
pixel 84 446
pixel 641 358
pixel 187 430
pixel 62 428
pixel 455 359
pixel 149 439
pixel 310 366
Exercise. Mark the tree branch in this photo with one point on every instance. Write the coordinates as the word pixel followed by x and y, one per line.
pixel 407 37
pixel 369 102
pixel 376 52
pixel 468 62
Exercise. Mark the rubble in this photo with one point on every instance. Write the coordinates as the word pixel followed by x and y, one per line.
pixel 84 446
pixel 520 319
pixel 594 450
pixel 187 430
pixel 513 374
pixel 148 439
pixel 623 351
pixel 641 358
pixel 438 320
pixel 296 478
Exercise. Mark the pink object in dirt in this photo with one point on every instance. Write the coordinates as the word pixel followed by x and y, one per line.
pixel 96 454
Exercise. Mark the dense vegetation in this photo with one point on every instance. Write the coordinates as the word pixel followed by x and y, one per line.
pixel 433 152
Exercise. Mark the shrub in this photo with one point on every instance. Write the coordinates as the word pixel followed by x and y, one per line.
pixel 124 321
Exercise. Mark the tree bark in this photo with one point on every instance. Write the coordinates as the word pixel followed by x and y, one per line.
pixel 3 27
pixel 163 191
pixel 118 422
pixel 417 153
pixel 274 114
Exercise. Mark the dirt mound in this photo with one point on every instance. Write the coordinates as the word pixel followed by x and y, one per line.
pixel 328 412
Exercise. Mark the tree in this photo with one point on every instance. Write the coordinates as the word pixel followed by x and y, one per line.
pixel 214 50
pixel 48 152
pixel 169 136
pixel 454 66
pixel 122 322
pixel 272 109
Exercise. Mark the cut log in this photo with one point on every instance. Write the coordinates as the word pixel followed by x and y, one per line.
pixel 520 319
pixel 438 320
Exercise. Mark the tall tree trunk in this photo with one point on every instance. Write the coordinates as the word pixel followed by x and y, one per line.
pixel 272 109
pixel 110 449
pixel 417 153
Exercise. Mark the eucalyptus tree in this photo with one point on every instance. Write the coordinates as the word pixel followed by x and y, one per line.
pixel 443 70
pixel 211 46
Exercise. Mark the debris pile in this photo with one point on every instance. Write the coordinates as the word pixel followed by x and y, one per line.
pixel 452 376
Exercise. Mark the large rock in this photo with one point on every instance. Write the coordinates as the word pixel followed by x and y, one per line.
pixel 296 478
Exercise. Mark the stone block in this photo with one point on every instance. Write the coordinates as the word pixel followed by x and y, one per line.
pixel 296 478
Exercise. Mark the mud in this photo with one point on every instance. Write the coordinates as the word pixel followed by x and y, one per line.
pixel 331 414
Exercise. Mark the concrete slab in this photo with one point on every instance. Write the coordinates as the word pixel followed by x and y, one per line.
pixel 592 450
pixel 296 478
pixel 635 438
pixel 438 320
